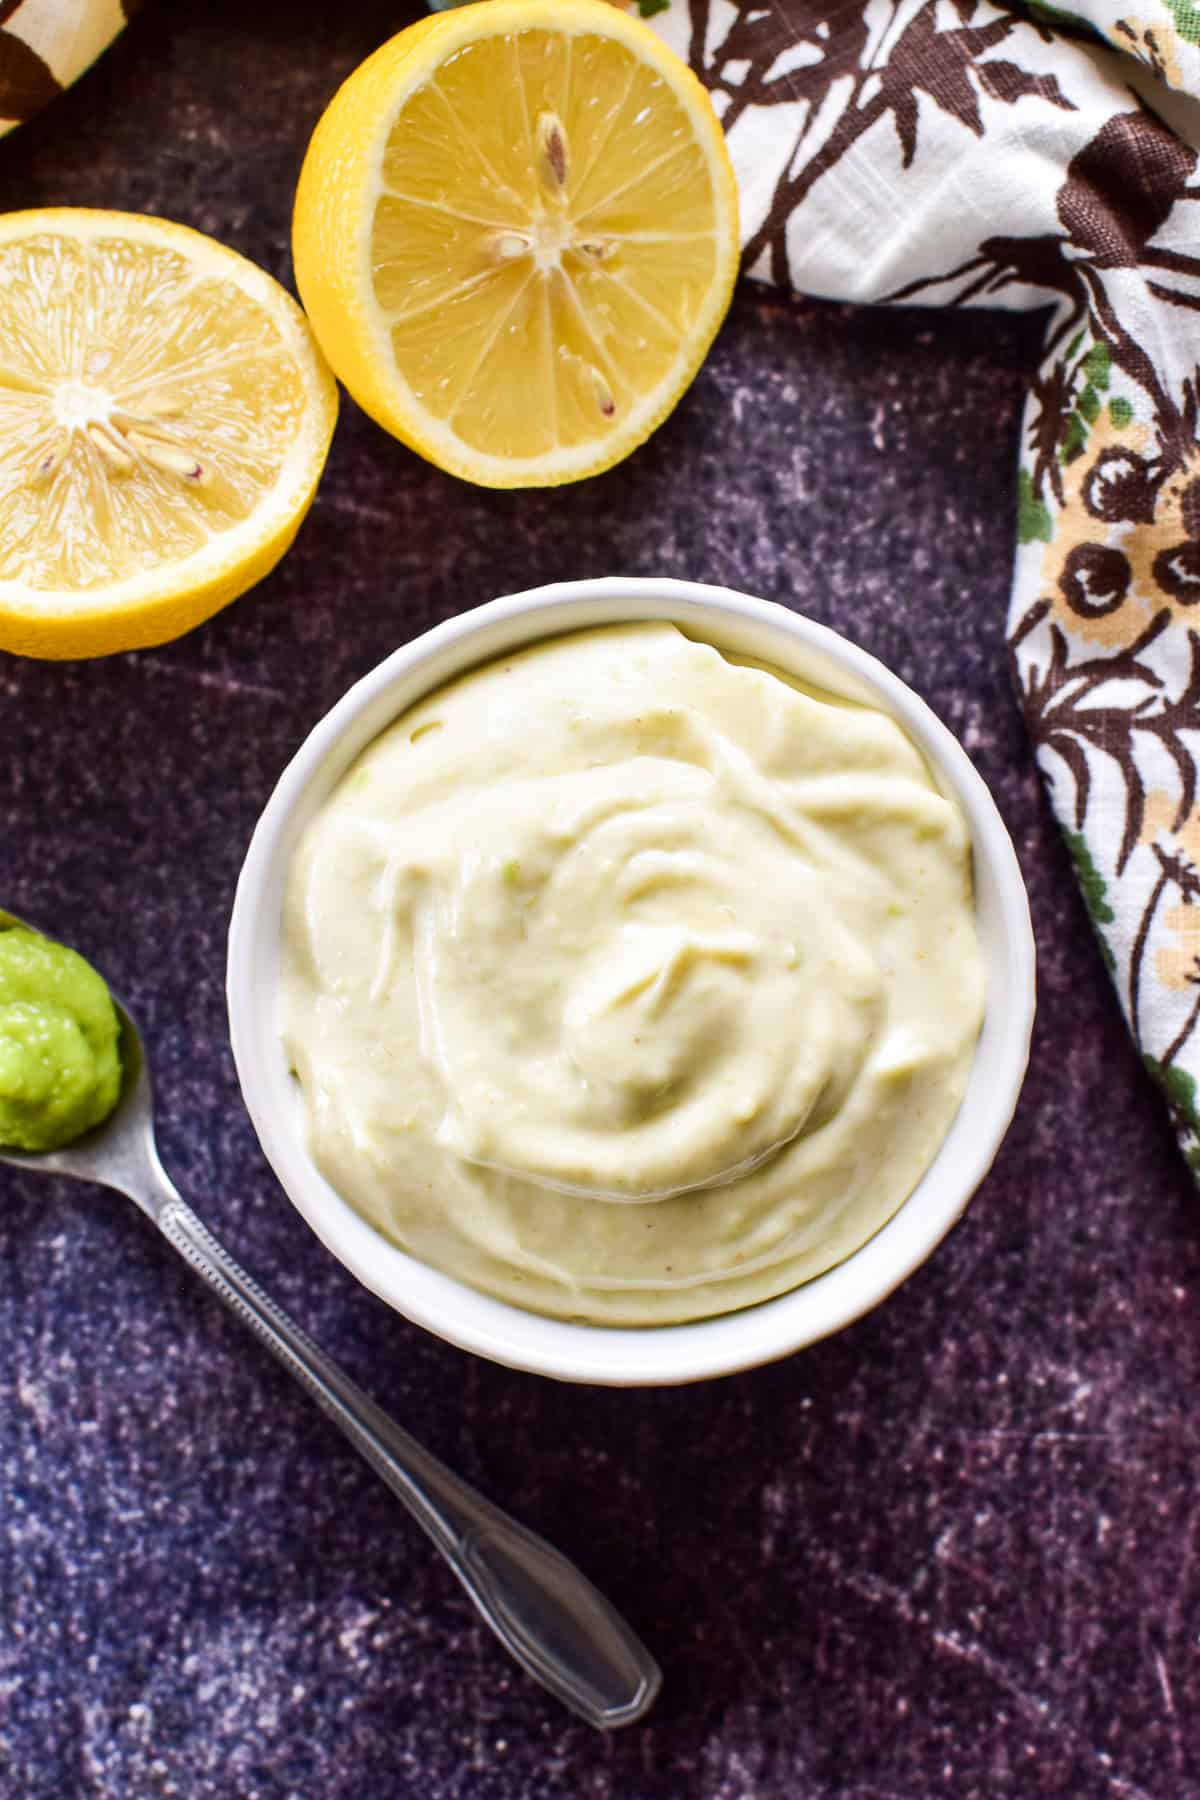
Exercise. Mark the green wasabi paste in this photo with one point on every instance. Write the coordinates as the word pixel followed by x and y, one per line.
pixel 60 1068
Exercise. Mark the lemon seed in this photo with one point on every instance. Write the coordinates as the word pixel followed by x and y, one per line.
pixel 166 457
pixel 114 453
pixel 602 391
pixel 509 244
pixel 160 406
pixel 552 148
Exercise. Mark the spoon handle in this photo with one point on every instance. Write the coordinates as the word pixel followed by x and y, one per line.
pixel 557 1625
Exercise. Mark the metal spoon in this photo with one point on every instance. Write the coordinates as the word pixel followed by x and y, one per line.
pixel 557 1625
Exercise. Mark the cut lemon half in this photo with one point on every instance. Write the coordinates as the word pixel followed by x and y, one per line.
pixel 515 235
pixel 165 414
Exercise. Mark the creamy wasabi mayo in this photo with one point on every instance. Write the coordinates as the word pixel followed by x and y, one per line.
pixel 60 1060
pixel 629 983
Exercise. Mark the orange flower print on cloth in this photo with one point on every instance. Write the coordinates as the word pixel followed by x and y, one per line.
pixel 1142 36
pixel 957 153
pixel 1092 570
pixel 1178 962
pixel 1127 543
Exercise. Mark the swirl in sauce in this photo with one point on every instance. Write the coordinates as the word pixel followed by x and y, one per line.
pixel 630 983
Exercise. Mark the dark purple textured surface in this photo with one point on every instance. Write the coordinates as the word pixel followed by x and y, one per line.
pixel 951 1552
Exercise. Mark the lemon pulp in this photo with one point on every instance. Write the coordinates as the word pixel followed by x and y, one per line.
pixel 140 410
pixel 164 416
pixel 536 254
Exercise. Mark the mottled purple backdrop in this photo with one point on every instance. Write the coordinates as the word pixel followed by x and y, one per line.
pixel 951 1552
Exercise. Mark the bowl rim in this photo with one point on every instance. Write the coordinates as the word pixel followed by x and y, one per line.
pixel 622 1355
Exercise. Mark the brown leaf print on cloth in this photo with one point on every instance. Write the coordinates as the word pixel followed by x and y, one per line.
pixel 941 64
pixel 45 45
pixel 1119 191
pixel 1072 709
pixel 963 155
pixel 27 83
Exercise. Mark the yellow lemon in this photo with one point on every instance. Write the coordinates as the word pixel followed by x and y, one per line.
pixel 515 234
pixel 165 415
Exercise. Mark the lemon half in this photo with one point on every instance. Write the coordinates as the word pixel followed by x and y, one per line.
pixel 515 235
pixel 164 419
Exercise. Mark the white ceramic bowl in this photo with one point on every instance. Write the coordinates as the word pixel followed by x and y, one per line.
pixel 622 1355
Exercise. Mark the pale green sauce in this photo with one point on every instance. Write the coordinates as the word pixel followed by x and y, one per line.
pixel 60 1066
pixel 644 988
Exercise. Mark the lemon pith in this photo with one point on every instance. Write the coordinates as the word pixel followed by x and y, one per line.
pixel 164 419
pixel 515 235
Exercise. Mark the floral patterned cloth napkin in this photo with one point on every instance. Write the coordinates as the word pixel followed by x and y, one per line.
pixel 955 153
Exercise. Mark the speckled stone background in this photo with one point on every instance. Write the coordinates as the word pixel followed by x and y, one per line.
pixel 951 1552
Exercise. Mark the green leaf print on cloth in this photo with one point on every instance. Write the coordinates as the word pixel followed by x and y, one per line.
pixel 957 153
pixel 1092 882
pixel 1033 515
pixel 1187 20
